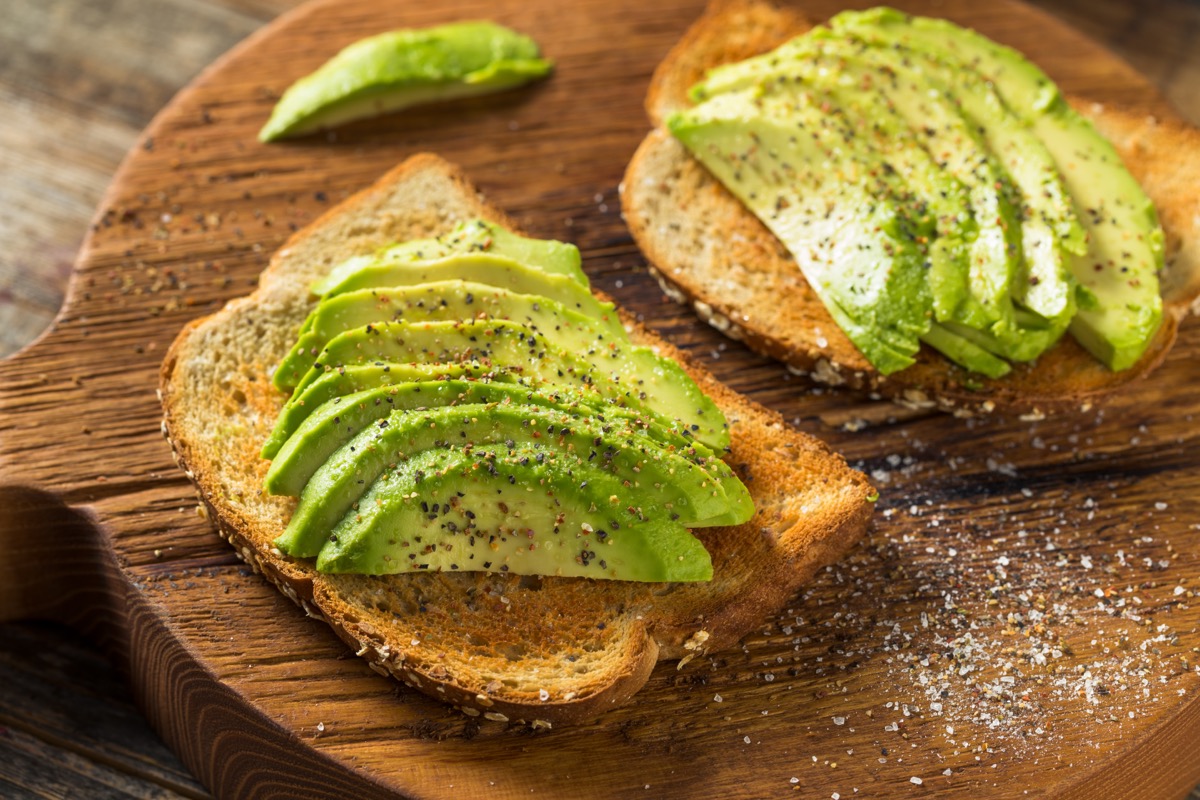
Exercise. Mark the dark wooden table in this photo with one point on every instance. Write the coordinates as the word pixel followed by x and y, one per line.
pixel 78 80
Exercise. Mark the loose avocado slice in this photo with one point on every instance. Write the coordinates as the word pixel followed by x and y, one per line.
pixel 404 68
pixel 473 237
pixel 612 455
pixel 628 375
pixel 442 300
pixel 347 380
pixel 843 218
pixel 516 508
pixel 1121 307
pixel 336 422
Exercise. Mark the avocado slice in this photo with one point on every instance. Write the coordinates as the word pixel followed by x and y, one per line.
pixel 612 455
pixel 347 380
pixel 438 301
pixel 902 105
pixel 1120 308
pixel 476 237
pixel 900 92
pixel 335 423
pixel 628 375
pixel 822 192
pixel 1050 231
pixel 404 68
pixel 484 268
pixel 516 508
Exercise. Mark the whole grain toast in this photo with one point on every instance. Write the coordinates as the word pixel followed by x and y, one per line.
pixel 708 251
pixel 540 650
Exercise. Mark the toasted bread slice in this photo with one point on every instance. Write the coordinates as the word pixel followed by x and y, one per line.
pixel 541 650
pixel 709 251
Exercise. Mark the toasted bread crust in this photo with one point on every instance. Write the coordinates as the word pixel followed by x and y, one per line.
pixel 708 251
pixel 504 647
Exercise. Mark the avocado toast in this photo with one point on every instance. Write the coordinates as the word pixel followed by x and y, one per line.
pixel 543 650
pixel 694 204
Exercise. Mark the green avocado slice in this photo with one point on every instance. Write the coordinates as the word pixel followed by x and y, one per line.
pixel 474 237
pixel 966 347
pixel 484 268
pixel 334 424
pixel 612 454
pixel 1120 308
pixel 440 301
pixel 348 380
pixel 624 374
pixel 906 109
pixel 846 221
pixel 404 68
pixel 964 124
pixel 516 508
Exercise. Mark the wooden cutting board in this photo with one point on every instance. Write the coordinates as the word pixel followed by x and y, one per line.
pixel 1022 621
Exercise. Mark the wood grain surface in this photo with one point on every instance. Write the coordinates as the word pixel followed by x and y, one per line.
pixel 1022 617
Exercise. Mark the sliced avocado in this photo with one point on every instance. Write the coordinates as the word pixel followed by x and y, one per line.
pixel 440 301
pixel 603 436
pixel 1050 229
pixel 404 68
pixel 962 345
pixel 612 454
pixel 347 380
pixel 967 127
pixel 940 195
pixel 515 508
pixel 841 216
pixel 482 268
pixel 336 422
pixel 906 109
pixel 475 236
pixel 1118 272
pixel 630 376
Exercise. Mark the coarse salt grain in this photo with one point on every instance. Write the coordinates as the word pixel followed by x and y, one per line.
pixel 746 739
pixel 916 780
pixel 839 720
pixel 718 699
